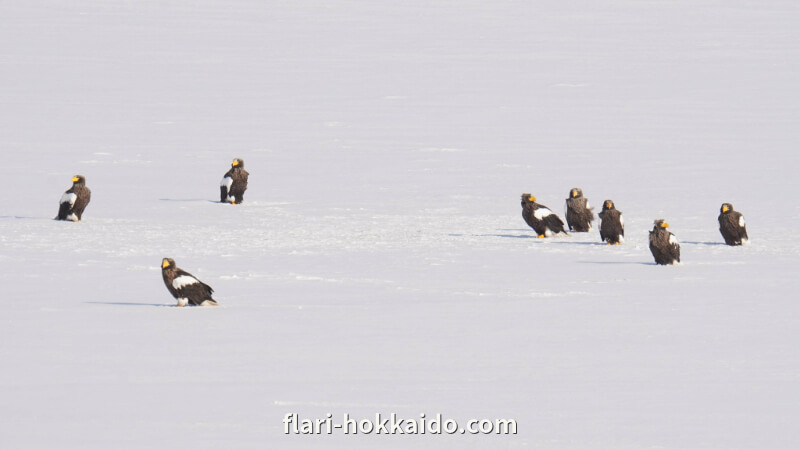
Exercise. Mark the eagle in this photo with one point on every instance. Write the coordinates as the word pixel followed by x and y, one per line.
pixel 612 228
pixel 74 200
pixel 541 218
pixel 579 214
pixel 663 244
pixel 234 183
pixel 731 225
pixel 187 289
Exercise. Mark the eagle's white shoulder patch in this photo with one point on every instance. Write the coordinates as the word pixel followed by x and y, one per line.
pixel 541 213
pixel 226 182
pixel 741 221
pixel 183 280
pixel 69 197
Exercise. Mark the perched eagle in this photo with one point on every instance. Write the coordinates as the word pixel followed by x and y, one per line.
pixel 731 225
pixel 187 289
pixel 663 244
pixel 74 200
pixel 612 228
pixel 540 218
pixel 234 183
pixel 579 214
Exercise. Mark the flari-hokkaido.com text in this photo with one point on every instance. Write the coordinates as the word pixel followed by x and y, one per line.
pixel 392 424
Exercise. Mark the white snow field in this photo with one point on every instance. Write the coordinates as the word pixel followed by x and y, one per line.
pixel 379 263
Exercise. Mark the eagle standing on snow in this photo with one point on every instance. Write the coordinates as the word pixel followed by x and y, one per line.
pixel 187 289
pixel 540 218
pixel 611 224
pixel 663 244
pixel 731 225
pixel 234 183
pixel 579 214
pixel 74 200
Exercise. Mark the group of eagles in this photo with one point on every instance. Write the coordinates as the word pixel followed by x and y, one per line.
pixel 185 287
pixel 188 290
pixel 663 244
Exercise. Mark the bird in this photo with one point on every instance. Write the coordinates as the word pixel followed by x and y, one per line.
pixel 731 225
pixel 74 200
pixel 187 289
pixel 612 228
pixel 663 244
pixel 579 214
pixel 541 218
pixel 234 183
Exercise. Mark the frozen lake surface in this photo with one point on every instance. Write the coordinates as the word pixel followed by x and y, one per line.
pixel 379 263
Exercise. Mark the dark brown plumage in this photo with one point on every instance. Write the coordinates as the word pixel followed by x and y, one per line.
pixel 234 183
pixel 74 200
pixel 540 218
pixel 579 214
pixel 612 229
pixel 187 289
pixel 731 225
pixel 663 244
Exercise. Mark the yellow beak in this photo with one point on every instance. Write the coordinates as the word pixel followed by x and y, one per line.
pixel 664 225
pixel 532 198
pixel 74 179
pixel 724 209
pixel 164 264
pixel 235 163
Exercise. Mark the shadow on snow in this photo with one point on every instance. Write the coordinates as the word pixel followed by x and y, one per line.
pixel 188 200
pixel 129 304
pixel 635 263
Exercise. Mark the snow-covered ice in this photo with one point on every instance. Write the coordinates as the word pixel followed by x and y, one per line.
pixel 380 263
